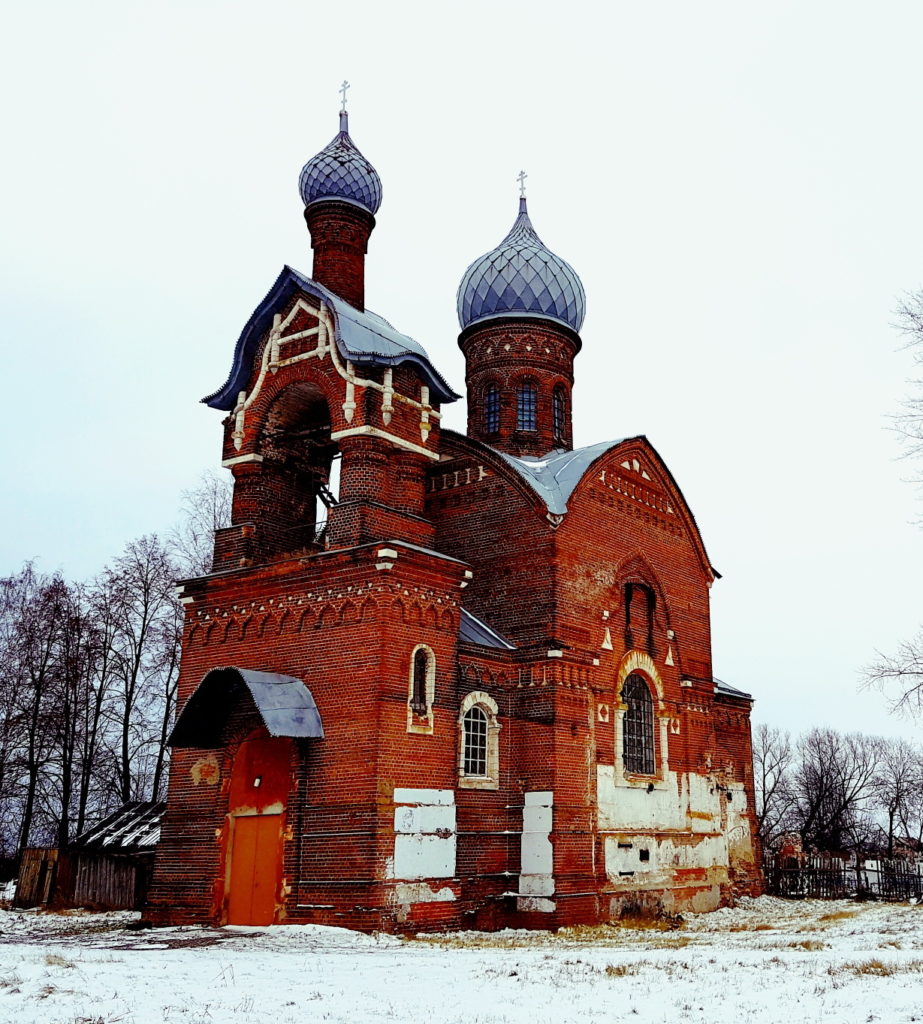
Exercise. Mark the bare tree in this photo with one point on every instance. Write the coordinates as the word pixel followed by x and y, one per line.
pixel 140 583
pixel 900 676
pixel 899 791
pixel 775 798
pixel 205 508
pixel 834 781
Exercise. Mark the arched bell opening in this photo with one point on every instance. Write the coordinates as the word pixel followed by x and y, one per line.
pixel 300 470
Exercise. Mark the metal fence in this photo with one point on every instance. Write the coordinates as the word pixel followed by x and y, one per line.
pixel 826 876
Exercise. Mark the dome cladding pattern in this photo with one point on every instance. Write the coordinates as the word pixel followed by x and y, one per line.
pixel 340 171
pixel 521 277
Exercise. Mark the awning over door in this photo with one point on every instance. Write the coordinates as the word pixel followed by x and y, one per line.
pixel 284 703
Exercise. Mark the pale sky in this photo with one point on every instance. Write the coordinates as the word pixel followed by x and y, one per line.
pixel 738 186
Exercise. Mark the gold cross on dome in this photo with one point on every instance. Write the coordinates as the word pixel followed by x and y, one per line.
pixel 343 89
pixel 521 178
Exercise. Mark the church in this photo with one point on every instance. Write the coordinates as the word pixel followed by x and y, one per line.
pixel 440 680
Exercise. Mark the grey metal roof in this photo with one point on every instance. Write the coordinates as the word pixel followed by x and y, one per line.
pixel 473 631
pixel 135 825
pixel 340 171
pixel 361 337
pixel 731 691
pixel 284 703
pixel 521 277
pixel 554 476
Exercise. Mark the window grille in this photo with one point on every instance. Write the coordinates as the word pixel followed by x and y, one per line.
pixel 557 410
pixel 638 727
pixel 492 410
pixel 474 760
pixel 418 691
pixel 525 410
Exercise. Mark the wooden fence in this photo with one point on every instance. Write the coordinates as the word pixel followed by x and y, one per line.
pixel 826 876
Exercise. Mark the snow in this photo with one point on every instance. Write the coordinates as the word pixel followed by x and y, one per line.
pixel 767 960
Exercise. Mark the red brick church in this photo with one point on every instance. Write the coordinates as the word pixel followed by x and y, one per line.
pixel 443 680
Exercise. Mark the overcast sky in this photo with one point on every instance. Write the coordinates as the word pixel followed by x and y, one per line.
pixel 738 185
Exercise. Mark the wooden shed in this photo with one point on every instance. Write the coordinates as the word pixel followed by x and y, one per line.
pixel 108 867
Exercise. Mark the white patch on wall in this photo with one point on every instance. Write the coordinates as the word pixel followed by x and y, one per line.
pixel 536 879
pixel 424 835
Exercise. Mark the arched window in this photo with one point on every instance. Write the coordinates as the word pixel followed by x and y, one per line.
pixel 421 690
pixel 479 745
pixel 638 726
pixel 492 409
pixel 474 755
pixel 418 682
pixel 526 406
pixel 558 412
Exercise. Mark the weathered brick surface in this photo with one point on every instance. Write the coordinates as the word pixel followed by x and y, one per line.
pixel 618 584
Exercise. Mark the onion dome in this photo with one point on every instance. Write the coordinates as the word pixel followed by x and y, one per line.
pixel 521 278
pixel 340 171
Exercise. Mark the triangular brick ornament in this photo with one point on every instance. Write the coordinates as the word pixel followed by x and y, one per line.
pixel 606 645
pixel 669 658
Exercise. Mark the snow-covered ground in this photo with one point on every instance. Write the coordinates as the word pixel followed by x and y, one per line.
pixel 767 960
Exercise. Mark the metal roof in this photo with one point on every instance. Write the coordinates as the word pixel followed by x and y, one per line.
pixel 731 691
pixel 521 277
pixel 284 703
pixel 554 476
pixel 135 825
pixel 473 631
pixel 340 171
pixel 361 337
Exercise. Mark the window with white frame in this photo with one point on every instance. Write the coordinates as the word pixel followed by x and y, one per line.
pixel 479 743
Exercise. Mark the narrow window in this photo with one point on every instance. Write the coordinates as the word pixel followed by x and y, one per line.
pixel 557 412
pixel 474 758
pixel 492 409
pixel 525 408
pixel 418 703
pixel 638 727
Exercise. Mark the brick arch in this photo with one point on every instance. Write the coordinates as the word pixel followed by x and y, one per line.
pixel 642 663
pixel 368 610
pixel 349 613
pixel 447 621
pixel 306 619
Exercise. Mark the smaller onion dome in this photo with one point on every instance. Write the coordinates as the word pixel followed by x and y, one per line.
pixel 521 278
pixel 340 171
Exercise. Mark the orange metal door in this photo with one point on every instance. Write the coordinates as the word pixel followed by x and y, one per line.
pixel 254 869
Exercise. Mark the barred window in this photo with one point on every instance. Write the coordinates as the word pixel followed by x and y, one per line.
pixel 474 760
pixel 525 408
pixel 638 727
pixel 557 412
pixel 492 409
pixel 418 700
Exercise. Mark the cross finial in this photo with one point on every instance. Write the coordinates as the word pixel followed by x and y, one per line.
pixel 343 89
pixel 521 178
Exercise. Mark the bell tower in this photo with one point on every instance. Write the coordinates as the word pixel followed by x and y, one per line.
pixel 520 308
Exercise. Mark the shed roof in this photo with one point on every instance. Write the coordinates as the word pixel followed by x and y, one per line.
pixel 134 826
pixel 730 691
pixel 361 337
pixel 473 631
pixel 284 703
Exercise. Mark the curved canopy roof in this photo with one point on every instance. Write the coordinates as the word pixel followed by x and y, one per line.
pixel 361 336
pixel 284 703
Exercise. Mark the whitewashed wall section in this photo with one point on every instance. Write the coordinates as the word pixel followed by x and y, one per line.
pixel 536 878
pixel 424 847
pixel 709 830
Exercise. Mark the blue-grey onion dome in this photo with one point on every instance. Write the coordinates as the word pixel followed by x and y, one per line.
pixel 521 278
pixel 340 171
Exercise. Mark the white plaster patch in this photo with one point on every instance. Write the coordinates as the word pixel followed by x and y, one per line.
pixel 420 892
pixel 424 840
pixel 536 852
pixel 424 796
pixel 536 904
